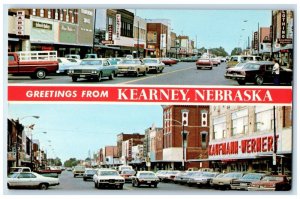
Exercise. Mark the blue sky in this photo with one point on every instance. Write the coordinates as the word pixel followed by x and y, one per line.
pixel 213 28
pixel 74 129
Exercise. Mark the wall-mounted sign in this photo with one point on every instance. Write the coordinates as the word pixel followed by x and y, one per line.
pixel 283 24
pixel 46 26
pixel 118 26
pixel 107 42
pixel 20 26
pixel 67 33
pixel 285 41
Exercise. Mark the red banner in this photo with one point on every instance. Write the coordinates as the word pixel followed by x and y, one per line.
pixel 244 95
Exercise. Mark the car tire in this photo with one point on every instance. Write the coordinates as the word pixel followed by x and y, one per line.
pixel 259 80
pixel 241 82
pixel 74 79
pixel 144 73
pixel 121 186
pixel 84 179
pixel 43 186
pixel 155 185
pixel 74 176
pixel 95 184
pixel 99 77
pixel 137 73
pixel 112 76
pixel 40 74
pixel 8 186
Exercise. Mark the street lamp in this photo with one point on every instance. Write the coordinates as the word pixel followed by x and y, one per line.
pixel 183 134
pixel 31 150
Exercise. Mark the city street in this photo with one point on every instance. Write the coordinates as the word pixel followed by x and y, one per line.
pixel 183 73
pixel 71 185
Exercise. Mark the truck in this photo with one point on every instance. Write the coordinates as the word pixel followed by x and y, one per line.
pixel 50 171
pixel 36 64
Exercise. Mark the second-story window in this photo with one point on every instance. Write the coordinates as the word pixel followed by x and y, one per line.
pixel 240 122
pixel 219 127
pixel 56 14
pixel 33 12
pixel 264 119
pixel 49 14
pixel 42 13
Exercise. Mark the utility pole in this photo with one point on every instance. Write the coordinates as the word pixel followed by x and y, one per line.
pixel 258 35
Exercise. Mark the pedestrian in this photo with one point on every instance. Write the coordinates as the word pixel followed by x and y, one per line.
pixel 275 72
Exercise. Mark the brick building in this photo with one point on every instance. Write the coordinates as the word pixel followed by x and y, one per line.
pixel 157 34
pixel 136 139
pixel 194 122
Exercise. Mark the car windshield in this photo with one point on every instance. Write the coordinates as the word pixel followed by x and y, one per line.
pixel 128 61
pixel 272 178
pixel 252 66
pixel 130 172
pixel 91 62
pixel 209 174
pixel 109 173
pixel 252 176
pixel 233 175
pixel 90 171
pixel 146 175
pixel 150 61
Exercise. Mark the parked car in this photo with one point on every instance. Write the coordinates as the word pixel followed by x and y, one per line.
pixel 204 63
pixel 179 177
pixel 168 61
pixel 271 183
pixel 74 56
pixel 30 180
pixel 169 176
pixel 124 167
pixel 155 65
pixel 36 64
pixel 258 73
pixel 218 176
pixel 127 174
pixel 132 66
pixel 203 179
pixel 78 171
pixel 186 177
pixel 115 60
pixel 226 181
pixel 94 69
pixel 108 178
pixel 145 178
pixel 89 173
pixel 244 182
pixel 91 56
pixel 19 169
pixel 190 59
pixel 235 59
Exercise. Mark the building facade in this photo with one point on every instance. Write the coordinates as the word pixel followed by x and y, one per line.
pixel 242 137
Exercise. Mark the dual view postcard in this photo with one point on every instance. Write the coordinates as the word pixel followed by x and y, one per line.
pixel 149 101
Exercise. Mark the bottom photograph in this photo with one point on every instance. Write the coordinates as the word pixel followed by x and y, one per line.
pixel 147 149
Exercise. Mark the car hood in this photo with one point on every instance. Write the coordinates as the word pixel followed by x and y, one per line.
pixel 153 64
pixel 270 183
pixel 111 177
pixel 87 67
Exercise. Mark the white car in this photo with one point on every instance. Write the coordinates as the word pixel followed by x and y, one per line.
pixel 108 178
pixel 65 63
pixel 30 180
pixel 155 65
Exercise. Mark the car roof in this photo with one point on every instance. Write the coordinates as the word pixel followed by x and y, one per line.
pixel 92 59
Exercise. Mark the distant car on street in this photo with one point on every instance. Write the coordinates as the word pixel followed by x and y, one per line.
pixel 132 67
pixel 89 173
pixel 155 65
pixel 145 178
pixel 204 63
pixel 258 73
pixel 226 181
pixel 93 69
pixel 168 61
pixel 127 174
pixel 78 171
pixel 30 180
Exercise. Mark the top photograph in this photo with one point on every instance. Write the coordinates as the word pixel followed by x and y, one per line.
pixel 194 47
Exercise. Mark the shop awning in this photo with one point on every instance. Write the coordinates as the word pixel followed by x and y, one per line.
pixel 107 47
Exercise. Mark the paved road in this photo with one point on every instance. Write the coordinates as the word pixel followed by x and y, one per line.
pixel 183 73
pixel 76 186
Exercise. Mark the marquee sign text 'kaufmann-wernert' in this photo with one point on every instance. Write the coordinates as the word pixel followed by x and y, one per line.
pixel 151 94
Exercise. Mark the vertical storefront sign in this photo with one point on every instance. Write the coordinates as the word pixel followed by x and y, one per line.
pixel 110 32
pixel 283 24
pixel 255 40
pixel 20 24
pixel 118 26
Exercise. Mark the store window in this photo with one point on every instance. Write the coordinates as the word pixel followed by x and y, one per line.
pixel 219 127
pixel 240 120
pixel 264 119
pixel 42 13
pixel 33 12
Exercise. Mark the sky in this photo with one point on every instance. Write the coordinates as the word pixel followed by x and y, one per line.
pixel 76 129
pixel 213 28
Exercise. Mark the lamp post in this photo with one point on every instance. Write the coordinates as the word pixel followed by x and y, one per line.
pixel 183 134
pixel 31 150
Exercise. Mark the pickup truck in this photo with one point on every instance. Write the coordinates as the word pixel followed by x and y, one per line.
pixel 36 64
pixel 49 170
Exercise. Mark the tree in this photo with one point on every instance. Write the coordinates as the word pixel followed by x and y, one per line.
pixel 71 162
pixel 236 51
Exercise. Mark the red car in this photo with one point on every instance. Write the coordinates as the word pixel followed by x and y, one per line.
pixel 168 61
pixel 204 63
pixel 127 174
pixel 271 183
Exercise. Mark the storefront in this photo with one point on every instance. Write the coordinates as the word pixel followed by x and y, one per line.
pixel 253 153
